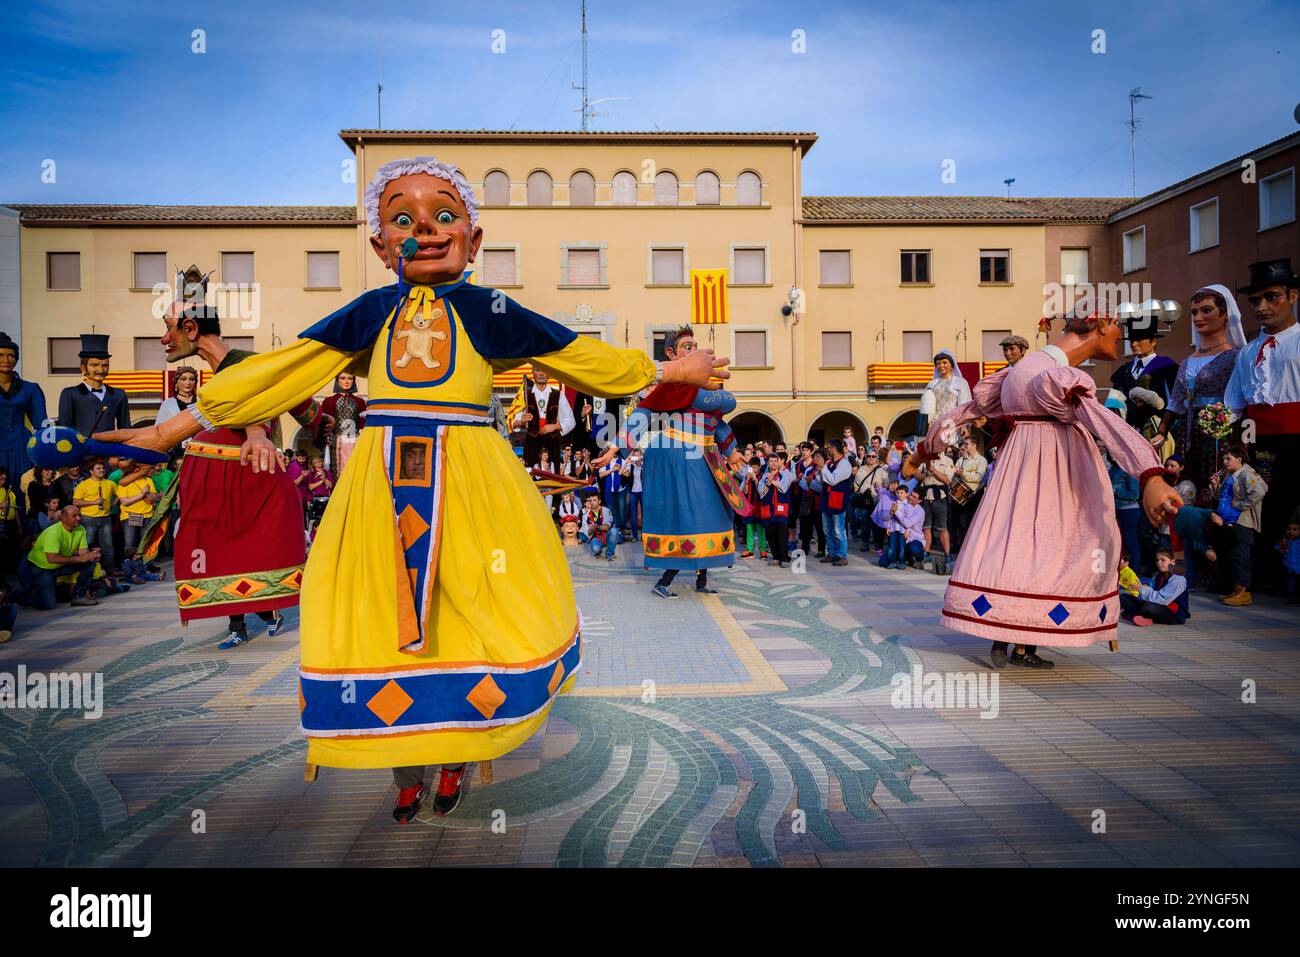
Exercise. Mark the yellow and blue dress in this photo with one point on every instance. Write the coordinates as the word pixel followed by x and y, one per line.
pixel 438 617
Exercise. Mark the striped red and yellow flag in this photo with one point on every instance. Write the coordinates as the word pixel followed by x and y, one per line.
pixel 708 297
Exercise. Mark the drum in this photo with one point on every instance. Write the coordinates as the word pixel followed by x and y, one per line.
pixel 959 492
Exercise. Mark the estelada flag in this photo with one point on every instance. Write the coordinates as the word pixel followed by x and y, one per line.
pixel 708 296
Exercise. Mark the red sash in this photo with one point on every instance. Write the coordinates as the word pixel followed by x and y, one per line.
pixel 1280 419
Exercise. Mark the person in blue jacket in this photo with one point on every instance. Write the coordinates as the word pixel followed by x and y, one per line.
pixel 1161 600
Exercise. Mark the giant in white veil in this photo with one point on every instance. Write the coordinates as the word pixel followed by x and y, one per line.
pixel 957 384
pixel 1236 335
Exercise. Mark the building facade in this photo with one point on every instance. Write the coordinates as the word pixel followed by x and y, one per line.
pixel 837 303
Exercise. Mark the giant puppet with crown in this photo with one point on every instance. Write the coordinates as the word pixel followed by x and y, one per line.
pixel 438 617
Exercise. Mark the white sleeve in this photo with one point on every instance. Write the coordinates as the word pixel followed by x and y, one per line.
pixel 567 421
pixel 1234 396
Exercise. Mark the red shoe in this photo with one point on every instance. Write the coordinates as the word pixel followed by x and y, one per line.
pixel 408 803
pixel 746 554
pixel 449 791
pixel 1142 621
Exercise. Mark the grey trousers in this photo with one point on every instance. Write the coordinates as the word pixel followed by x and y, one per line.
pixel 409 777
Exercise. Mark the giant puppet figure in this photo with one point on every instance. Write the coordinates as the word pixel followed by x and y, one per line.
pixel 690 492
pixel 93 403
pixel 1040 562
pixel 438 617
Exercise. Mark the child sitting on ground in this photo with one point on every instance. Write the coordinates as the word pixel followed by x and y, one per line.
pixel 1161 601
pixel 1289 549
pixel 136 570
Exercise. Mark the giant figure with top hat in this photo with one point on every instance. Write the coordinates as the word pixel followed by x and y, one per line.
pixel 438 615
pixel 93 405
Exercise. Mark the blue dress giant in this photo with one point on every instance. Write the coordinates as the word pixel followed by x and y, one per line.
pixel 689 496
pixel 21 404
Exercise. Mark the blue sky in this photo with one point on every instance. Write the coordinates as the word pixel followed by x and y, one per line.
pixel 112 92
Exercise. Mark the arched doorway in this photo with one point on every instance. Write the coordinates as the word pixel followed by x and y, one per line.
pixel 751 426
pixel 830 425
pixel 904 425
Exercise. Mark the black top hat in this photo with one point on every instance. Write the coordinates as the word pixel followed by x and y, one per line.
pixel 94 346
pixel 1271 272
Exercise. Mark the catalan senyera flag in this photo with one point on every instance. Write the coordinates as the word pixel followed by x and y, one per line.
pixel 708 297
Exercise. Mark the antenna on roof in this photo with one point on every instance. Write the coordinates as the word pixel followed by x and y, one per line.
pixel 379 92
pixel 1134 95
pixel 587 102
pixel 1007 182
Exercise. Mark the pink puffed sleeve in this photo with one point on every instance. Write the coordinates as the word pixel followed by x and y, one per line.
pixel 1070 395
pixel 986 400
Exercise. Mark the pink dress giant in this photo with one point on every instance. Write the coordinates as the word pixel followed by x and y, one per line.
pixel 1039 564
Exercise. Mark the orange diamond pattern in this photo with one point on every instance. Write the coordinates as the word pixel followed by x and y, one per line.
pixel 486 697
pixel 294 579
pixel 411 526
pixel 188 594
pixel 557 676
pixel 390 703
pixel 243 587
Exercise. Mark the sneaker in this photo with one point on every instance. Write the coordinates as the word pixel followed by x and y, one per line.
pixel 449 791
pixel 839 562
pixel 706 590
pixel 663 592
pixel 234 640
pixel 999 654
pixel 275 626
pixel 408 803
pixel 746 554
pixel 1030 661
pixel 84 602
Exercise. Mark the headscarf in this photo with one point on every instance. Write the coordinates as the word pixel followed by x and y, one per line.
pixel 1236 335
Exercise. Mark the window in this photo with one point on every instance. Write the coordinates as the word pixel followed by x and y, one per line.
pixel 990 344
pixel 496 189
pixel 63 271
pixel 751 348
pixel 237 269
pixel 65 356
pixel 148 270
pixel 837 350
pixel 748 266
pixel 1277 199
pixel 540 191
pixel 500 267
pixel 1205 225
pixel 583 267
pixel 916 265
pixel 1135 249
pixel 624 189
pixel 835 268
pixel 1074 267
pixel 582 189
pixel 323 270
pixel 918 347
pixel 707 191
pixel 665 188
pixel 749 190
pixel 149 353
pixel 658 340
pixel 995 265
pixel 668 267
pixel 239 342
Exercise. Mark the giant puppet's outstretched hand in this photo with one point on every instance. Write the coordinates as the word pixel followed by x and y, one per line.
pixel 160 438
pixel 700 368
pixel 1160 502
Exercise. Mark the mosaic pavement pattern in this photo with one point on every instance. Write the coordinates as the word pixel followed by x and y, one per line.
pixel 752 729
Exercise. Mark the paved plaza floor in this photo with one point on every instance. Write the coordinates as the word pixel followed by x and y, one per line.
pixel 757 728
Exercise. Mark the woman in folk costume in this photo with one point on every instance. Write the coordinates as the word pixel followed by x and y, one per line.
pixel 438 618
pixel 343 413
pixel 1041 558
pixel 690 492
pixel 945 391
pixel 1217 337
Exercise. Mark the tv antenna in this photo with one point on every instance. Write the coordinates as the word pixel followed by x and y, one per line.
pixel 1134 95
pixel 587 102
pixel 379 91
pixel 1007 182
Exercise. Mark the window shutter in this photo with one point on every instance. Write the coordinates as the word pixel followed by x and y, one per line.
pixel 990 344
pixel 707 192
pixel 236 268
pixel 665 189
pixel 749 190
pixel 150 269
pixel 149 353
pixel 499 267
pixel 582 189
pixel 584 267
pixel 751 348
pixel 540 192
pixel 837 349
pixel 835 267
pixel 496 189
pixel 917 347
pixel 65 356
pixel 751 267
pixel 667 267
pixel 323 270
pixel 1278 203
pixel 624 189
pixel 1074 267
pixel 64 271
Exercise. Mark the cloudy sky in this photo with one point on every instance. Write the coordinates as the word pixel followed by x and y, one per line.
pixel 115 95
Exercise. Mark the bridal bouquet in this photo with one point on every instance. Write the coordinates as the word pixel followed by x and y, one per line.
pixel 1215 420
